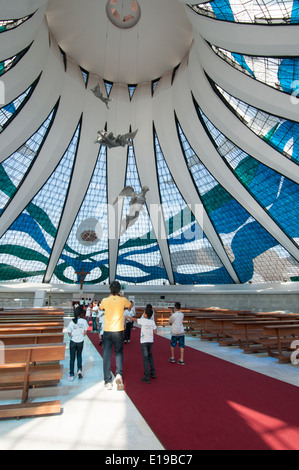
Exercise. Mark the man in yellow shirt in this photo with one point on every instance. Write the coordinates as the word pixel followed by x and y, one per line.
pixel 114 307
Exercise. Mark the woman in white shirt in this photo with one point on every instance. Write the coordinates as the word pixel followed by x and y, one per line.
pixel 77 329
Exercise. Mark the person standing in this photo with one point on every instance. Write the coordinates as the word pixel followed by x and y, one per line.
pixel 100 322
pixel 94 315
pixel 113 335
pixel 148 328
pixel 77 329
pixel 88 313
pixel 130 312
pixel 177 333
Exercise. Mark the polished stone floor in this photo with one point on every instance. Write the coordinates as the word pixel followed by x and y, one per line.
pixel 98 419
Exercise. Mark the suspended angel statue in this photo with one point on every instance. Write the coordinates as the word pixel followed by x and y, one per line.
pixel 136 206
pixel 97 92
pixel 110 141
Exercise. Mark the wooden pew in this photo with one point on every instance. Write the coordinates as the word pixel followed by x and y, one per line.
pixel 31 338
pixel 162 316
pixel 253 333
pixel 35 310
pixel 30 324
pixel 204 326
pixel 33 313
pixel 29 319
pixel 279 340
pixel 29 328
pixel 31 364
pixel 40 320
pixel 224 328
pixel 277 316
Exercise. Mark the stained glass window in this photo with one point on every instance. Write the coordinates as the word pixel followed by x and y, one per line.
pixel 9 111
pixel 192 256
pixel 87 244
pixel 254 253
pixel 25 248
pixel 14 169
pixel 282 134
pixel 281 73
pixel 257 11
pixel 139 258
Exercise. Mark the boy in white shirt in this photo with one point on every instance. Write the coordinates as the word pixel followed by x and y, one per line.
pixel 177 333
pixel 148 328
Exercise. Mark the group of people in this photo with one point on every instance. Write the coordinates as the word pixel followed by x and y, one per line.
pixel 119 315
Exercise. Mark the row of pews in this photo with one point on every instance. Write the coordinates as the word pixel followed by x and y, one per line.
pixel 270 332
pixel 31 348
pixel 162 315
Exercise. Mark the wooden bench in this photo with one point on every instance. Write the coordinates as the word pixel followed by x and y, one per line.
pixel 31 338
pixel 243 330
pixel 278 340
pixel 8 329
pixel 223 329
pixel 30 319
pixel 35 311
pixel 253 333
pixel 162 316
pixel 26 365
pixel 29 324
pixel 203 325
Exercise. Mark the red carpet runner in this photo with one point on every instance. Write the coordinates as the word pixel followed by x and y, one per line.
pixel 210 404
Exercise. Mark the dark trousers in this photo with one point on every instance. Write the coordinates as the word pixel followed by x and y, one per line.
pixel 129 326
pixel 75 353
pixel 94 324
pixel 148 360
pixel 112 339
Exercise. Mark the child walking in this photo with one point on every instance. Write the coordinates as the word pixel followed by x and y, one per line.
pixel 148 328
pixel 77 330
pixel 177 333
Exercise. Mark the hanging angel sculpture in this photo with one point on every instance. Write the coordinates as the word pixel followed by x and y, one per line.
pixel 136 205
pixel 110 141
pixel 97 92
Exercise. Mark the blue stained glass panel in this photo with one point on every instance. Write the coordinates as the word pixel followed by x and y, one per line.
pixel 139 257
pixel 25 248
pixel 193 258
pixel 253 251
pixel 87 244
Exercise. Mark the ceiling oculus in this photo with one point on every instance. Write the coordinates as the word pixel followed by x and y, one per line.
pixel 123 13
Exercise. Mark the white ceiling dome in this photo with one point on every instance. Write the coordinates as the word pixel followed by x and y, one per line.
pixel 197 103
pixel 156 44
